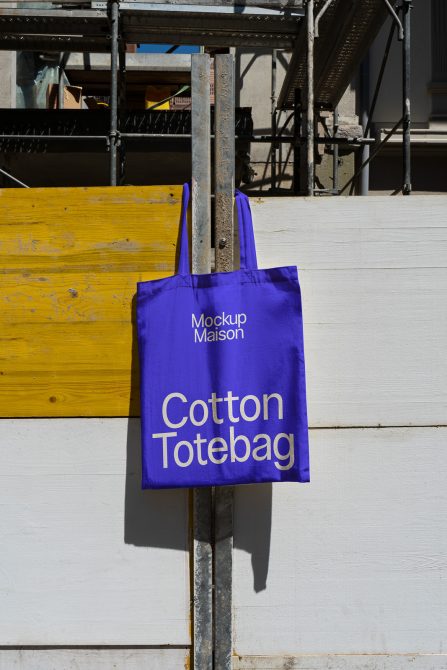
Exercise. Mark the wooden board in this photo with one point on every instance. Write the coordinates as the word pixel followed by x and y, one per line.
pixel 87 557
pixel 70 259
pixel 354 562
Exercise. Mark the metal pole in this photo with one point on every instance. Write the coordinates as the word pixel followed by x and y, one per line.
pixel 310 98
pixel 201 264
pixel 373 155
pixel 122 109
pixel 21 183
pixel 201 163
pixel 395 19
pixel 223 496
pixel 335 153
pixel 113 133
pixel 60 80
pixel 406 62
pixel 297 142
pixel 185 136
pixel 274 121
pixel 364 154
pixel 320 16
pixel 224 160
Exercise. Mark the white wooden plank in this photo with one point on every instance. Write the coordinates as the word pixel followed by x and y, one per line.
pixel 93 659
pixel 355 561
pixel 373 273
pixel 87 559
pixel 344 662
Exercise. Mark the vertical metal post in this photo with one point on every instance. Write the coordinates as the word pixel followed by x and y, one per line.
pixel 364 105
pixel 224 160
pixel 201 163
pixel 310 98
pixel 335 153
pixel 406 127
pixel 274 122
pixel 113 132
pixel 201 263
pixel 223 497
pixel 122 109
pixel 60 80
pixel 297 111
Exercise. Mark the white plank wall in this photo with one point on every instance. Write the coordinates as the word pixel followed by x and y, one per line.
pixel 351 569
pixel 77 567
pixel 357 559
pixel 94 659
pixel 346 573
pixel 343 662
pixel 373 273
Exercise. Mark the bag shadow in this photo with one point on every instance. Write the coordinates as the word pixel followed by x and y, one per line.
pixel 151 518
pixel 252 528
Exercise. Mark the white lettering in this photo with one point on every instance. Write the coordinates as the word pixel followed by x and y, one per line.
pixel 257 404
pixel 266 399
pixel 290 455
pixel 204 406
pixel 188 445
pixel 233 440
pixel 266 447
pixel 200 337
pixel 198 442
pixel 213 401
pixel 199 323
pixel 229 398
pixel 212 450
pixel 164 437
pixel 165 413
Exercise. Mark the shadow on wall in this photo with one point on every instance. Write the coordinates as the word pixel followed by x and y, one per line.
pixel 252 528
pixel 159 518
pixel 151 518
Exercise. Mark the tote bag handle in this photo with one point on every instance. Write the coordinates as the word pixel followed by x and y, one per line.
pixel 246 235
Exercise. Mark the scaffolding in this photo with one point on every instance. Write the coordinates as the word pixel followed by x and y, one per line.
pixel 322 64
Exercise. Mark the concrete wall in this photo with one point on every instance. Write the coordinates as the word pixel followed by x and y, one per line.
pixel 345 573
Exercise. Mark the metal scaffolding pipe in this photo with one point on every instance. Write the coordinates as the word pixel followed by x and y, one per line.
pixel 224 162
pixel 395 18
pixel 113 133
pixel 21 183
pixel 273 155
pixel 320 16
pixel 335 152
pixel 201 264
pixel 267 139
pixel 122 108
pixel 364 104
pixel 310 97
pixel 297 152
pixel 406 70
pixel 373 155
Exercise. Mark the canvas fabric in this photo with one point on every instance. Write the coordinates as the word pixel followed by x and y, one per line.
pixel 223 397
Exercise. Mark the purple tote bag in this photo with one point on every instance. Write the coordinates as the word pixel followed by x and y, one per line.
pixel 223 398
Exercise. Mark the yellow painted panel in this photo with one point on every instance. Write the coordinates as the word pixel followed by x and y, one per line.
pixel 70 259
